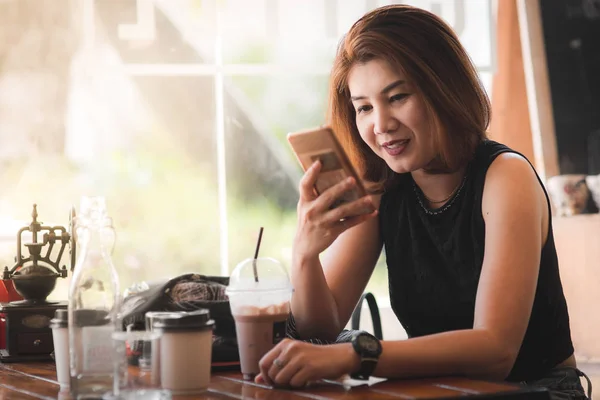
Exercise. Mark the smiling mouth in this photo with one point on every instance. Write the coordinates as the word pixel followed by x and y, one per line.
pixel 395 147
pixel 394 144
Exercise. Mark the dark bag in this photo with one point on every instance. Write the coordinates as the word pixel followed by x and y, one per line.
pixel 346 335
pixel 375 317
pixel 188 293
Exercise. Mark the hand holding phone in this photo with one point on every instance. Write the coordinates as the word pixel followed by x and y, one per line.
pixel 320 144
pixel 340 204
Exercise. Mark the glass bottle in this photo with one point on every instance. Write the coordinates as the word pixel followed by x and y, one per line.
pixel 94 303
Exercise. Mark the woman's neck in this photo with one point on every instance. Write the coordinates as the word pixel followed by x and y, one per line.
pixel 438 187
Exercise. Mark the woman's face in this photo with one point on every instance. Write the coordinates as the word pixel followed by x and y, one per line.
pixel 391 116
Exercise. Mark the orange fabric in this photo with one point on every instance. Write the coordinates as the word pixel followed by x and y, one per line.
pixel 510 123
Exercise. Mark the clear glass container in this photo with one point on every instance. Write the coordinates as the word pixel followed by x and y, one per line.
pixel 94 303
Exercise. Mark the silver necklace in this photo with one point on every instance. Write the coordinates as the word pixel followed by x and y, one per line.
pixel 446 206
pixel 431 201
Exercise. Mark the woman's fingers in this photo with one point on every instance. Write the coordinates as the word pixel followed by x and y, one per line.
pixel 288 361
pixel 333 222
pixel 281 374
pixel 260 379
pixel 348 223
pixel 301 378
pixel 332 195
pixel 329 196
pixel 362 206
pixel 276 367
pixel 324 201
pixel 267 360
pixel 307 183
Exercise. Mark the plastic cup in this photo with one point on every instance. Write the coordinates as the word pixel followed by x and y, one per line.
pixel 136 366
pixel 260 309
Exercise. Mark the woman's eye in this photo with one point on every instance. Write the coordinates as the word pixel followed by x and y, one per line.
pixel 398 97
pixel 363 109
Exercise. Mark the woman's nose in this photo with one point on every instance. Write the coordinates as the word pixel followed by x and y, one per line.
pixel 384 121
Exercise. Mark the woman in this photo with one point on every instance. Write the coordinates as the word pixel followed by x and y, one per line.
pixel 465 223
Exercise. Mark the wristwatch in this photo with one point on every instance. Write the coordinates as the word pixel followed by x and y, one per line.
pixel 368 349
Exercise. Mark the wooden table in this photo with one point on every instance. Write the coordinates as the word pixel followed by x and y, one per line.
pixel 38 381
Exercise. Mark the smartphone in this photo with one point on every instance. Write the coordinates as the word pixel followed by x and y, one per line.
pixel 321 144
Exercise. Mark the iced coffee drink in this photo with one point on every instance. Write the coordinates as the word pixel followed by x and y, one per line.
pixel 258 330
pixel 260 308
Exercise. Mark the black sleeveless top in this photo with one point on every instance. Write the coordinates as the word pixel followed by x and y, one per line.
pixel 434 263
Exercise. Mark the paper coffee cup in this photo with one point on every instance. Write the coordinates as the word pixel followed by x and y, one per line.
pixel 60 336
pixel 185 350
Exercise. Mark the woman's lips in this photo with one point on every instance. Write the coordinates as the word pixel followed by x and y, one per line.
pixel 395 147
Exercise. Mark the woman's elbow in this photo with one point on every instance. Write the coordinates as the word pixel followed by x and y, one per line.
pixel 500 367
pixel 322 330
pixel 500 360
pixel 327 332
pixel 501 371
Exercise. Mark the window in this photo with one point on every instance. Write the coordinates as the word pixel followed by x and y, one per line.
pixel 177 112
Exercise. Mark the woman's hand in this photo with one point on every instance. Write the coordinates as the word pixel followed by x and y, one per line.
pixel 318 225
pixel 295 363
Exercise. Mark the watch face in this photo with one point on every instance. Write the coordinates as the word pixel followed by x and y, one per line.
pixel 369 344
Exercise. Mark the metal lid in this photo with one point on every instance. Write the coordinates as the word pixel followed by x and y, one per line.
pixel 150 316
pixel 183 321
pixel 61 319
pixel 91 317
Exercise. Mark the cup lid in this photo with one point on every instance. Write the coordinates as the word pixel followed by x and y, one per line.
pixel 152 315
pixel 61 318
pixel 258 275
pixel 183 320
pixel 90 317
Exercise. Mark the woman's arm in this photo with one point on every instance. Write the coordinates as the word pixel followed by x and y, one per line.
pixel 515 211
pixel 516 218
pixel 325 295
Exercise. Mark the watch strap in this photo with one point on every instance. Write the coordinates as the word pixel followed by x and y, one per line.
pixel 368 356
pixel 367 366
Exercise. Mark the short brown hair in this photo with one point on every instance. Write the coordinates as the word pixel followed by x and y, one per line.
pixel 427 50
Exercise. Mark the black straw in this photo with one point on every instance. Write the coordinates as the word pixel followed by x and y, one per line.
pixel 256 254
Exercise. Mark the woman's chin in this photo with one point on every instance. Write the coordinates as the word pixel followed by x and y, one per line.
pixel 400 168
pixel 406 165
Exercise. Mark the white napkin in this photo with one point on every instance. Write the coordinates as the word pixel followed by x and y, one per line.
pixel 348 382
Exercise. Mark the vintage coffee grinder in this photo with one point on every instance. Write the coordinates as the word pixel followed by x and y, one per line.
pixel 28 336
